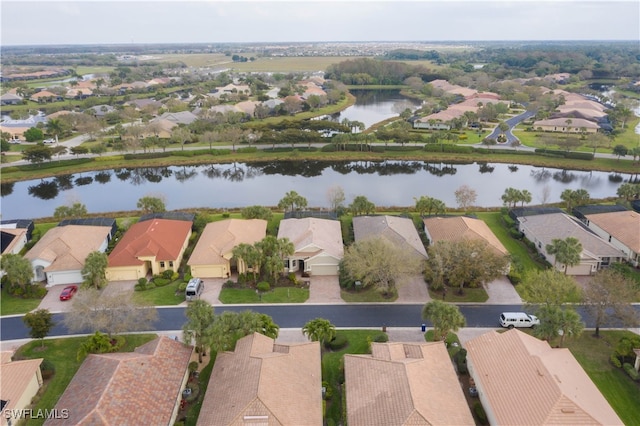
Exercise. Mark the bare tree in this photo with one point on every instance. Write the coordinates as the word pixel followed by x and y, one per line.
pixel 93 310
pixel 466 197
pixel 607 298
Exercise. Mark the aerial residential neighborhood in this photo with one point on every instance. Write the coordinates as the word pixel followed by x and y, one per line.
pixel 215 213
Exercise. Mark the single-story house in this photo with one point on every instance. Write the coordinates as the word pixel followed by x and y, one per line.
pixel 621 229
pixel 58 257
pixel 400 231
pixel 100 111
pixel 212 256
pixel 15 234
pixel 45 96
pixel 10 99
pixel 318 245
pixel 575 125
pixel 182 117
pixel 462 228
pixel 152 246
pixel 596 253
pixel 262 382
pixel 404 384
pixel 21 381
pixel 523 381
pixel 143 387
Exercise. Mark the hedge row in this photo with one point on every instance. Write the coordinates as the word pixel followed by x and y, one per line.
pixel 565 154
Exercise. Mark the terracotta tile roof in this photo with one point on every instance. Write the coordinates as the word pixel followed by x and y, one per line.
pixel 67 247
pixel 462 228
pixel 576 123
pixel 267 382
pixel 159 238
pixel 404 384
pixel 624 226
pixel 399 231
pixel 547 227
pixel 523 381
pixel 313 235
pixel 219 238
pixel 15 377
pixel 44 94
pixel 134 388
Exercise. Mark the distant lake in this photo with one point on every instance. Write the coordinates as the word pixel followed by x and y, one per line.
pixel 374 106
pixel 385 183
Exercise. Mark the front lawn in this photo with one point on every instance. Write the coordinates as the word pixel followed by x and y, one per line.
pixel 62 354
pixel 333 372
pixel 369 294
pixel 161 296
pixel 470 295
pixel 277 295
pixel 10 305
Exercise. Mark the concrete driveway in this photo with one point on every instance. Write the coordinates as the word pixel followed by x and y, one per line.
pixel 52 300
pixel 324 289
pixel 502 292
pixel 212 288
pixel 414 290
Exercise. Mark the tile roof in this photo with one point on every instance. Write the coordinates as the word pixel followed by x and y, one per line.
pixel 576 123
pixel 67 247
pixel 404 384
pixel 623 225
pixel 534 384
pixel 547 227
pixel 219 238
pixel 133 388
pixel 312 234
pixel 159 238
pixel 399 231
pixel 267 382
pixel 15 377
pixel 462 228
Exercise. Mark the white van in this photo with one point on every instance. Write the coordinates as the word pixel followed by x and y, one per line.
pixel 518 319
pixel 194 289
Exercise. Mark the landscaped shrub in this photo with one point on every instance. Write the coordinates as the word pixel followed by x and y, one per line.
pixel 631 371
pixel 329 148
pixel 182 287
pixel 47 368
pixel 328 390
pixel 175 276
pixel 514 276
pixel 187 277
pixel 139 287
pixel 159 282
pixel 381 338
pixel 150 285
pixel 292 278
pixel 247 150
pixel 147 155
pixel 228 284
pixel 615 361
pixel 479 410
pixel 263 286
pixel 142 281
pixel 338 342
pixel 167 274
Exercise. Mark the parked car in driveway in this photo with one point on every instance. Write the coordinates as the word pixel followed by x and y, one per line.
pixel 68 292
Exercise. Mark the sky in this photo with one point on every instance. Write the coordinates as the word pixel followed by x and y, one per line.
pixel 50 22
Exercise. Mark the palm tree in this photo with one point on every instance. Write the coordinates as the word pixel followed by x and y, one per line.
pixel 567 252
pixel 319 330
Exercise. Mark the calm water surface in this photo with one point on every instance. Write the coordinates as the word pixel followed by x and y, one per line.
pixel 386 183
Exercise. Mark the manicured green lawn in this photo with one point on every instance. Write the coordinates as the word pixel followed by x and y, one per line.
pixel 515 247
pixel 333 374
pixel 62 354
pixel 470 295
pixel 160 296
pixel 277 295
pixel 194 409
pixel 10 305
pixel 370 294
pixel 593 354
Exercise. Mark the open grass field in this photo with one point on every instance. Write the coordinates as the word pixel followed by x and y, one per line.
pixel 62 354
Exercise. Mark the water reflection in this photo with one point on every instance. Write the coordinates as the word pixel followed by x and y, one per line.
pixel 238 184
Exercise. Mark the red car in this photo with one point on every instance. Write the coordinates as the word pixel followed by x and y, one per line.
pixel 68 292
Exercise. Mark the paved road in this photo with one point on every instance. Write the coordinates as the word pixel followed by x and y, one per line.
pixel 512 122
pixel 295 316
